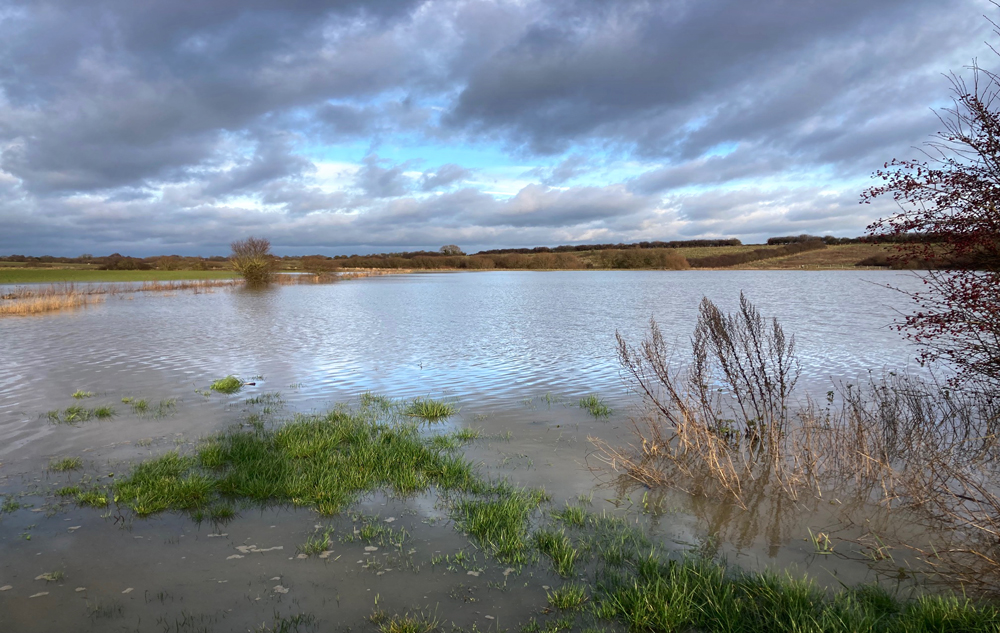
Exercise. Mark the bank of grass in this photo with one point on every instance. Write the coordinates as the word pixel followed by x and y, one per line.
pixel 67 275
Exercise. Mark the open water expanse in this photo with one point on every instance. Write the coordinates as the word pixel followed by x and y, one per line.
pixel 514 351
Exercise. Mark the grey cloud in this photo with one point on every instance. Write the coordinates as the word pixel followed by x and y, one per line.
pixel 744 162
pixel 566 169
pixel 381 182
pixel 443 176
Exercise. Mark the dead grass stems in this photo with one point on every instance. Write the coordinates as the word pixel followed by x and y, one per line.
pixel 725 427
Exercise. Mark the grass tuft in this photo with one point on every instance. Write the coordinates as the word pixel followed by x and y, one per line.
pixel 569 596
pixel 80 394
pixel 558 547
pixel 430 410
pixel 229 384
pixel 500 521
pixel 66 463
pixel 103 412
pixel 595 406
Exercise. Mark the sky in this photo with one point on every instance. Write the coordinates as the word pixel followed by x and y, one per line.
pixel 359 126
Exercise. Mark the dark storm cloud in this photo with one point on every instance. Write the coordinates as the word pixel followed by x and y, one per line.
pixel 179 125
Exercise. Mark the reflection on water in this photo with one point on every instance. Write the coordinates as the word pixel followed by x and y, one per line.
pixel 515 349
pixel 491 336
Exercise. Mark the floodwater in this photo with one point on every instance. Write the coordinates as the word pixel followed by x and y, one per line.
pixel 514 350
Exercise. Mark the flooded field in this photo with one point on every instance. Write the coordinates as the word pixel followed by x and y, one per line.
pixel 86 395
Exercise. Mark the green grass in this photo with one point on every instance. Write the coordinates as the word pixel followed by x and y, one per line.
pixel 701 595
pixel 104 412
pixel 298 623
pixel 68 491
pixel 558 547
pixel 428 409
pixel 79 394
pixel 595 406
pixel 324 462
pixel 373 530
pixel 500 521
pixel 60 275
pixel 229 384
pixel 75 413
pixel 66 463
pixel 95 498
pixel 318 543
pixel 403 623
pixel 570 596
pixel 571 515
pixel 10 504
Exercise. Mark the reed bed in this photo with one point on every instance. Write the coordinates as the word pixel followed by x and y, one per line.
pixel 43 304
pixel 726 428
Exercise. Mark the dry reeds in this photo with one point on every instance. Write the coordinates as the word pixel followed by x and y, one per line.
pixel 726 429
pixel 26 300
pixel 38 305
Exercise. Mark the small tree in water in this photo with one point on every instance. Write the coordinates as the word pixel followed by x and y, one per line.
pixel 252 259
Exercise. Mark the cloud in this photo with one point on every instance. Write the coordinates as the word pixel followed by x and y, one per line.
pixel 445 175
pixel 163 125
pixel 382 182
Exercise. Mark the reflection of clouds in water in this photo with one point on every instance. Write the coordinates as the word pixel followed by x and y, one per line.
pixel 492 337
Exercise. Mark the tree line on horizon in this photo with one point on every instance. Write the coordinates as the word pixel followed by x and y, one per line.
pixel 556 257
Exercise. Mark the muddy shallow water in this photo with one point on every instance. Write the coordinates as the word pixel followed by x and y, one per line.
pixel 515 351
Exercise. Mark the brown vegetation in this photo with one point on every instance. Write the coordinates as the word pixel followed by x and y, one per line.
pixel 725 428
pixel 46 303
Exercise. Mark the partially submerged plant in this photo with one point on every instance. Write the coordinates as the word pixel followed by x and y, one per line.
pixel 430 410
pixel 66 463
pixel 229 384
pixel 570 596
pixel 595 406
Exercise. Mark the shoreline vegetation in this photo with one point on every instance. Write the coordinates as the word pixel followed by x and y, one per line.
pixel 40 299
pixel 610 570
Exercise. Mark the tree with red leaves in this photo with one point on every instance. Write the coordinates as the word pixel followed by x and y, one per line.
pixel 953 199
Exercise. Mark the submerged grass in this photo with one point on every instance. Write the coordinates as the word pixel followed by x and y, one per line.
pixel 326 462
pixel 323 462
pixel 65 464
pixel 499 521
pixel 595 406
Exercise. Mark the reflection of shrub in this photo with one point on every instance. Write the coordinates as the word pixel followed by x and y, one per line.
pixel 252 259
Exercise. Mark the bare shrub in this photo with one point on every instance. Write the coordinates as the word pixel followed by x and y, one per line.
pixel 724 427
pixel 252 259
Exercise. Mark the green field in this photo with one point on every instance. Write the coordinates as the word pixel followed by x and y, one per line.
pixel 61 275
